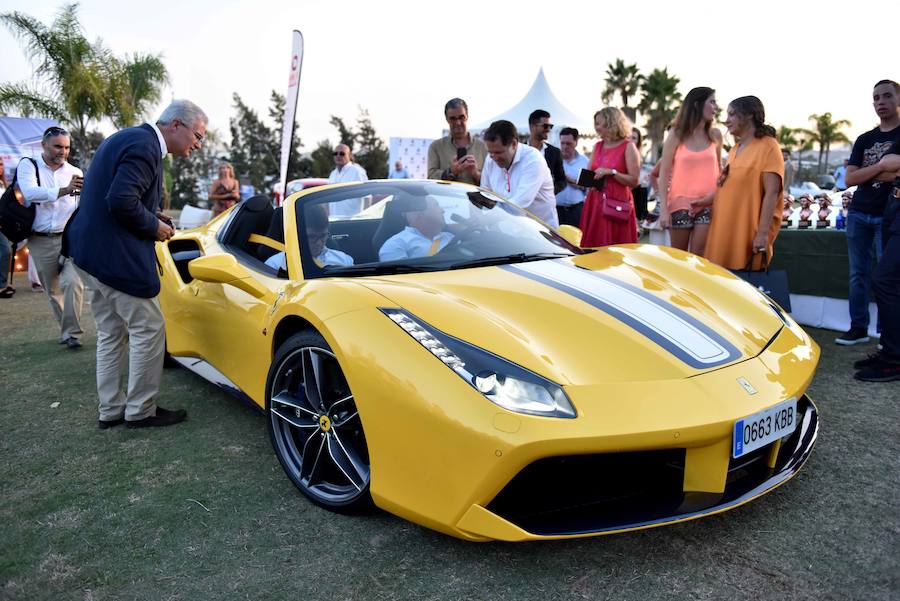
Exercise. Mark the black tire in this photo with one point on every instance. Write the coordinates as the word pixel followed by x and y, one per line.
pixel 314 426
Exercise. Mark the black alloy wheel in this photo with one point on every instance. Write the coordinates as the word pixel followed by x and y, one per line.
pixel 315 427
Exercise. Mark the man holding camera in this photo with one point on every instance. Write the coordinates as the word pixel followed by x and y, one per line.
pixel 459 156
pixel 53 190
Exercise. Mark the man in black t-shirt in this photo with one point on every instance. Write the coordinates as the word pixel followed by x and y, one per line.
pixel 867 208
pixel 884 366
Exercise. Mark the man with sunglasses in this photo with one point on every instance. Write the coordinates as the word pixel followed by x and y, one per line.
pixel 459 156
pixel 112 240
pixel 52 184
pixel 539 127
pixel 345 170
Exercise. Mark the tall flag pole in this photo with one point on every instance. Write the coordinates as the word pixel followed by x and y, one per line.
pixel 290 107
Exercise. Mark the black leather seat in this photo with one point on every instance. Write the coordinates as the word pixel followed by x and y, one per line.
pixel 275 232
pixel 253 216
pixel 394 220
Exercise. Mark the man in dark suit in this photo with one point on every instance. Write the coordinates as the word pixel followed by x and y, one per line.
pixel 539 125
pixel 111 240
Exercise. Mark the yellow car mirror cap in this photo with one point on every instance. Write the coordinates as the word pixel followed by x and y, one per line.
pixel 571 234
pixel 225 269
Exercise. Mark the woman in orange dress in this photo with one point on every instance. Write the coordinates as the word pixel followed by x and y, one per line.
pixel 615 159
pixel 691 160
pixel 747 208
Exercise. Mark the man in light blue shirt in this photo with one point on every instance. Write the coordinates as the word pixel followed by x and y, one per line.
pixel 570 201
pixel 399 172
pixel 316 235
pixel 423 237
pixel 840 175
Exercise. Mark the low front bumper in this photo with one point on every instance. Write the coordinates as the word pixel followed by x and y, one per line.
pixel 588 495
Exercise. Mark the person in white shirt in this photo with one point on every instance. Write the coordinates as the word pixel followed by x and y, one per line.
pixel 570 201
pixel 423 237
pixel 317 236
pixel 518 172
pixel 345 170
pixel 55 199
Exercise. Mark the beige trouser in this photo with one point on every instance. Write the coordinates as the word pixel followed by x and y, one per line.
pixel 64 290
pixel 132 325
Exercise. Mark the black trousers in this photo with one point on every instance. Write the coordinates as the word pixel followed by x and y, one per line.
pixel 886 282
pixel 570 215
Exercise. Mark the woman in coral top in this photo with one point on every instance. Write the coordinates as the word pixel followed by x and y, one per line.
pixel 615 159
pixel 691 159
pixel 747 207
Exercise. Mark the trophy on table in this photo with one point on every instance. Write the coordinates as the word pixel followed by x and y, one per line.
pixel 824 212
pixel 787 210
pixel 805 212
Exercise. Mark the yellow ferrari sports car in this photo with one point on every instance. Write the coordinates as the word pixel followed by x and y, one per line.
pixel 434 350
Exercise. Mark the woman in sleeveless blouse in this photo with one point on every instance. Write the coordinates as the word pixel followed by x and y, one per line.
pixel 225 191
pixel 690 165
pixel 615 159
pixel 747 208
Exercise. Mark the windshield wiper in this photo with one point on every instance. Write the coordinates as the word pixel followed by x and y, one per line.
pixel 506 259
pixel 375 269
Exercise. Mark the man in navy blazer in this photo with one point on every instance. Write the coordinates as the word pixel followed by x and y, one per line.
pixel 111 241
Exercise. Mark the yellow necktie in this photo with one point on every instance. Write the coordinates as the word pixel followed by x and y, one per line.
pixel 318 263
pixel 435 245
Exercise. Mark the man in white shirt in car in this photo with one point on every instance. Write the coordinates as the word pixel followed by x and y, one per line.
pixel 518 172
pixel 317 236
pixel 55 200
pixel 345 170
pixel 423 237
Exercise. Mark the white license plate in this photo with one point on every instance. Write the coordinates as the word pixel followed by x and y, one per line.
pixel 759 429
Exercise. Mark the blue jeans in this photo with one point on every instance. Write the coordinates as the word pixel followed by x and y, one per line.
pixel 862 231
pixel 887 284
pixel 4 261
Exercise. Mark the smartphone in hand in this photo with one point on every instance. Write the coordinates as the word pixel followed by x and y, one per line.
pixel 460 153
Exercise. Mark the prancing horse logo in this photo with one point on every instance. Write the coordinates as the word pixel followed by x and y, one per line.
pixel 746 386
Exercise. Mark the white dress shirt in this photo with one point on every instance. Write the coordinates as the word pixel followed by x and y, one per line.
pixel 328 256
pixel 52 211
pixel 351 206
pixel 162 140
pixel 411 243
pixel 527 183
pixel 572 195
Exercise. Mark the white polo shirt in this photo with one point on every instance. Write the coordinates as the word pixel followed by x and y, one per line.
pixel 527 183
pixel 351 206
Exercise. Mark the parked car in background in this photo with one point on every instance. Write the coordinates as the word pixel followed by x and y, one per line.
pixel 802 188
pixel 827 181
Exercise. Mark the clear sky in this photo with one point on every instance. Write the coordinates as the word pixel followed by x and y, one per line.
pixel 402 60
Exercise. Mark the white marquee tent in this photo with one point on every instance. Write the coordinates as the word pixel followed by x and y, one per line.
pixel 540 96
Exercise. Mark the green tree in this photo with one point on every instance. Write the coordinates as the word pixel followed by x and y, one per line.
pixel 297 166
pixel 659 105
pixel 827 132
pixel 77 82
pixel 371 151
pixel 321 160
pixel 345 133
pixel 251 151
pixel 624 80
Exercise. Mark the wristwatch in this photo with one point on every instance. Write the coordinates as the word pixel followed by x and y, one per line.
pixel 614 173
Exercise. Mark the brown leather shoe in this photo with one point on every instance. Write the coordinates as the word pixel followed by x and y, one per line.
pixel 163 417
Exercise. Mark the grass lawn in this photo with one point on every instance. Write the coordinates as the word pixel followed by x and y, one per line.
pixel 202 510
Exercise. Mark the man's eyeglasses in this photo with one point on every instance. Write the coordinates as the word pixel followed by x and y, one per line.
pixel 460 118
pixel 197 135
pixel 54 131
pixel 339 153
pixel 317 236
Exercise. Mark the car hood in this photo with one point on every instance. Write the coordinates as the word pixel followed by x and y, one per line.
pixel 624 313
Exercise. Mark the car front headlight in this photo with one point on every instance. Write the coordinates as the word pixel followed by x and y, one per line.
pixel 500 381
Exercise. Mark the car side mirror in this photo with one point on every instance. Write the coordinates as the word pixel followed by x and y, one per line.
pixel 571 233
pixel 224 269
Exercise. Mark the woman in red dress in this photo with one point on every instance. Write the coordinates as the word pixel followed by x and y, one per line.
pixel 615 160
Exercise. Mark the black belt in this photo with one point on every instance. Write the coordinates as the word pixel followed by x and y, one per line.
pixel 47 234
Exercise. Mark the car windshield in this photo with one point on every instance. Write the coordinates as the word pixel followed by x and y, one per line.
pixel 416 226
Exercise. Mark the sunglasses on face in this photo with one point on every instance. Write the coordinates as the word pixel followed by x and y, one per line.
pixel 547 125
pixel 55 131
pixel 339 153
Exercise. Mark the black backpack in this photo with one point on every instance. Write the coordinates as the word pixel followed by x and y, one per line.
pixel 16 219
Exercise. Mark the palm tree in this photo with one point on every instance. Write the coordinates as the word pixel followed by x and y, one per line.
pixel 659 100
pixel 826 133
pixel 78 82
pixel 624 80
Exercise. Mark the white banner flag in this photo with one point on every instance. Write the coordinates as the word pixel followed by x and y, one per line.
pixel 290 108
